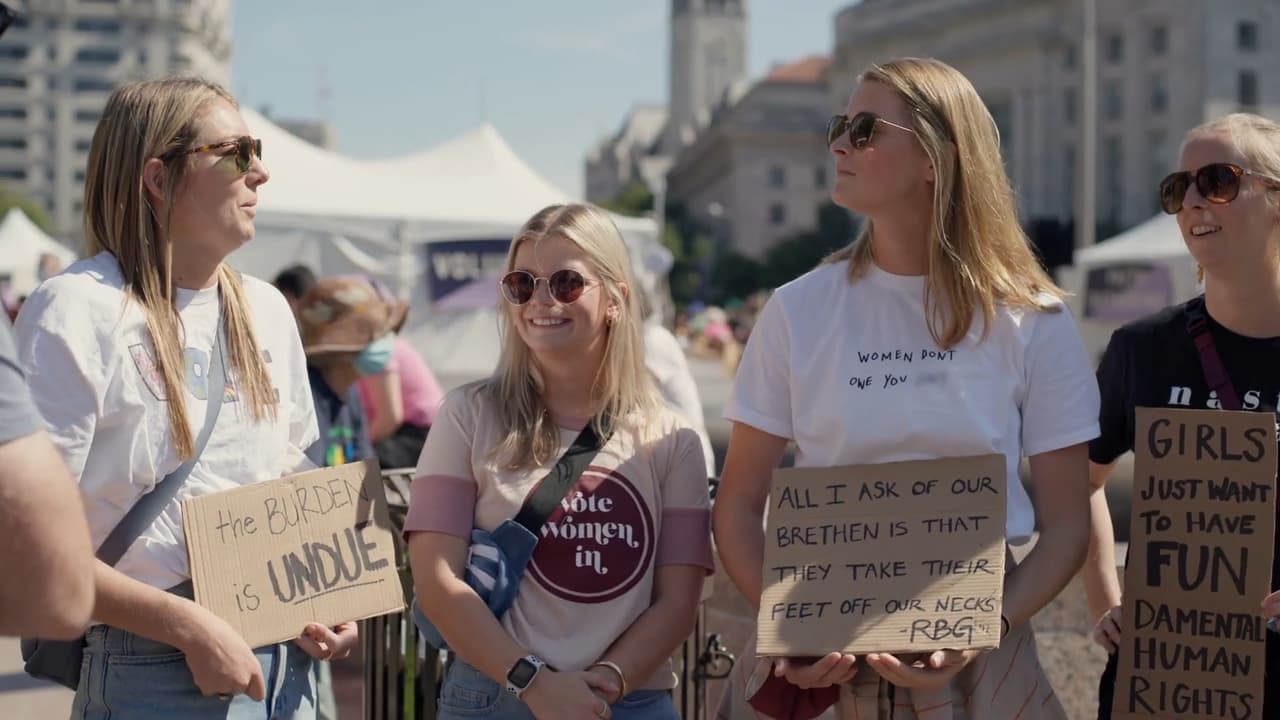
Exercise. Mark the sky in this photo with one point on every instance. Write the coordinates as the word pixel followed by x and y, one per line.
pixel 552 76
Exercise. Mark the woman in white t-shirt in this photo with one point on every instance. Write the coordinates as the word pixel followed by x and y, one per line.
pixel 935 334
pixel 118 349
pixel 613 582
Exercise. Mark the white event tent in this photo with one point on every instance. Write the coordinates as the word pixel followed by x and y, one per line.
pixel 22 243
pixel 1129 276
pixel 433 225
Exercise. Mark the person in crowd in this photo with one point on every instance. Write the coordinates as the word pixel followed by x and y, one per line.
pixel 669 368
pixel 340 320
pixel 1226 197
pixel 294 282
pixel 47 266
pixel 598 613
pixel 117 351
pixel 53 559
pixel 402 398
pixel 942 265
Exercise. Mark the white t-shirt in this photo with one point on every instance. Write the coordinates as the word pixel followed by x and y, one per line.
pixel 669 367
pixel 90 365
pixel 850 373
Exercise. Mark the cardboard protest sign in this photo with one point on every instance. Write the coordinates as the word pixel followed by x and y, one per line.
pixel 1201 540
pixel 313 547
pixel 897 557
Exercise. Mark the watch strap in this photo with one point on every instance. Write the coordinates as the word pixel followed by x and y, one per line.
pixel 518 690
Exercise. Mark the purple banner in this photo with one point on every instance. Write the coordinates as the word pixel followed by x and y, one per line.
pixel 463 274
pixel 1127 291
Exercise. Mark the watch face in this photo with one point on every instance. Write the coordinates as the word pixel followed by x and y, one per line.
pixel 522 673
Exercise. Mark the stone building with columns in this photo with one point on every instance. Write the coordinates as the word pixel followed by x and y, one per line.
pixel 1163 66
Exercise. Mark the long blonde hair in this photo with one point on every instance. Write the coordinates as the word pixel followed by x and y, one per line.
pixel 621 389
pixel 154 119
pixel 978 254
pixel 1255 138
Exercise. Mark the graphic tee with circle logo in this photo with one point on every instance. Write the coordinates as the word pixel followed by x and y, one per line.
pixel 641 504
pixel 598 544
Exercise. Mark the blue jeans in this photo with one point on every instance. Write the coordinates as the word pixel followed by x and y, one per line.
pixel 128 676
pixel 470 694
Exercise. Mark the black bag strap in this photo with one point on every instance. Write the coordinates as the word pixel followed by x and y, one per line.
pixel 1215 372
pixel 148 507
pixel 552 488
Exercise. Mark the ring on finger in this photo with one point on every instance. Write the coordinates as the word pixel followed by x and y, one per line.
pixel 224 697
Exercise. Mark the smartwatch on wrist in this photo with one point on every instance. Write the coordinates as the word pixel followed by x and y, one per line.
pixel 521 675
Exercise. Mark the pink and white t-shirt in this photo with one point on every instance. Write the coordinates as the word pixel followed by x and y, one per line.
pixel 643 502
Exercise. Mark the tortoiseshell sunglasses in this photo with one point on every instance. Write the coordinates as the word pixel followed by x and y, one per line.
pixel 246 149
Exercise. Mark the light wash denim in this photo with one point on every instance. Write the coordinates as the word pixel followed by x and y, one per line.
pixel 467 693
pixel 128 677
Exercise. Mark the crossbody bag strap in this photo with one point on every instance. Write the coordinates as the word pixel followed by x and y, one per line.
pixel 552 489
pixel 1215 373
pixel 148 507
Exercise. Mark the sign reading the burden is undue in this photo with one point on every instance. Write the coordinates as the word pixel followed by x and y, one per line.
pixel 895 557
pixel 1193 642
pixel 312 547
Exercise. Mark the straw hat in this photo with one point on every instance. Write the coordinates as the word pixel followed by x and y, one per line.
pixel 345 314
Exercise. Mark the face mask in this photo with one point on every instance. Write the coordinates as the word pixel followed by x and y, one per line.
pixel 375 358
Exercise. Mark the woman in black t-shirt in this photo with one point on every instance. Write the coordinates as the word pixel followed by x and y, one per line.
pixel 1226 196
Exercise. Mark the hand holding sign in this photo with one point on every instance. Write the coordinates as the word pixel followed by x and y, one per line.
pixel 327 644
pixel 932 672
pixel 830 669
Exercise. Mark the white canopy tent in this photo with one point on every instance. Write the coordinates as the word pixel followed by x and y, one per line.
pixel 21 245
pixel 433 225
pixel 1129 276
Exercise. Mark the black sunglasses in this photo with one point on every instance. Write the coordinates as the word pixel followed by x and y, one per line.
pixel 565 286
pixel 1219 183
pixel 861 128
pixel 246 149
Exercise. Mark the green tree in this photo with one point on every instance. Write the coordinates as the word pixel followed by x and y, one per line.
pixel 634 200
pixel 735 276
pixel 797 254
pixel 11 198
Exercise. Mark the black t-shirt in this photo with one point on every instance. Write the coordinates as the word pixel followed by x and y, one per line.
pixel 1153 362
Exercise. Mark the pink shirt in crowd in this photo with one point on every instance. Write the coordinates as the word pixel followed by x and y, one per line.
pixel 420 392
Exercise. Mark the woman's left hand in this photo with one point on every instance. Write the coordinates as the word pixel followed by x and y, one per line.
pixel 1271 605
pixel 931 672
pixel 604 683
pixel 323 643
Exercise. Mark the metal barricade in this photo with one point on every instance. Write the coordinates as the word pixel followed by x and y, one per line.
pixel 402 672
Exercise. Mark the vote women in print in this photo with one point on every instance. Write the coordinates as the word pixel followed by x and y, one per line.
pixel 598 544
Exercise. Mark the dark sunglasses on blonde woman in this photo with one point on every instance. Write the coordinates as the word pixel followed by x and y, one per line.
pixel 1219 183
pixel 565 286
pixel 861 128
pixel 246 149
